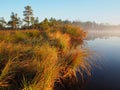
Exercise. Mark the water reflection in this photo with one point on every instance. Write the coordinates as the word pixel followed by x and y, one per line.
pixel 92 35
pixel 107 46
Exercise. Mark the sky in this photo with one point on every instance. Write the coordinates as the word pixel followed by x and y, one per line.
pixel 100 11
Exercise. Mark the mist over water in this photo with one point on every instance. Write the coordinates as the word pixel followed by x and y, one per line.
pixel 106 45
pixel 92 35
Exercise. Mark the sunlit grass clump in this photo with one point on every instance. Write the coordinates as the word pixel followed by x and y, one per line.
pixel 42 59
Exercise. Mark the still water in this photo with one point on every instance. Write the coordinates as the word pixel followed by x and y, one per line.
pixel 106 73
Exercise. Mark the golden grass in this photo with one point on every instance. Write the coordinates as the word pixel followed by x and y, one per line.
pixel 61 41
pixel 6 74
pixel 42 58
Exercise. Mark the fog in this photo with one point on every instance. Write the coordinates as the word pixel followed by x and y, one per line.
pixel 93 34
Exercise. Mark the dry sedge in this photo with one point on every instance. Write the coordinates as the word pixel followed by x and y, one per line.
pixel 42 58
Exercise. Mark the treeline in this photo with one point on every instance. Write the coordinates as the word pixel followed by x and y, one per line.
pixel 96 26
pixel 15 22
pixel 29 21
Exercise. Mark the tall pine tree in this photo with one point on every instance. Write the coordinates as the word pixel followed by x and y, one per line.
pixel 28 15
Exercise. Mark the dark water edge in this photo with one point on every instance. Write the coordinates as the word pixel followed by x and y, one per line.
pixel 106 74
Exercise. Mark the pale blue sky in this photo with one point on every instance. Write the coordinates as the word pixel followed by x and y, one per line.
pixel 84 10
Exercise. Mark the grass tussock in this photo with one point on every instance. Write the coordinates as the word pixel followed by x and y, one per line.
pixel 43 60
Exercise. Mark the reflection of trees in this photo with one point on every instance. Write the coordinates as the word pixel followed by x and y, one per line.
pixel 102 34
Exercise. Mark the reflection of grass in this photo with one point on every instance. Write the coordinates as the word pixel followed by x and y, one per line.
pixel 43 60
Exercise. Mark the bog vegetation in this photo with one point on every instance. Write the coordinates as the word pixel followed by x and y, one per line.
pixel 51 56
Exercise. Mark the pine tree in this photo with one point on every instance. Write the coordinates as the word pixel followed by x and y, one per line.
pixel 28 15
pixel 35 22
pixel 14 20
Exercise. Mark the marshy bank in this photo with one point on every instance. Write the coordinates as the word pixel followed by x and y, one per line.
pixel 45 59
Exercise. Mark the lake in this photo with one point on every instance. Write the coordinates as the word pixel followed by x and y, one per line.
pixel 106 73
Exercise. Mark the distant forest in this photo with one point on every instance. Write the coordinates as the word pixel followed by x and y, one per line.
pixel 31 22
